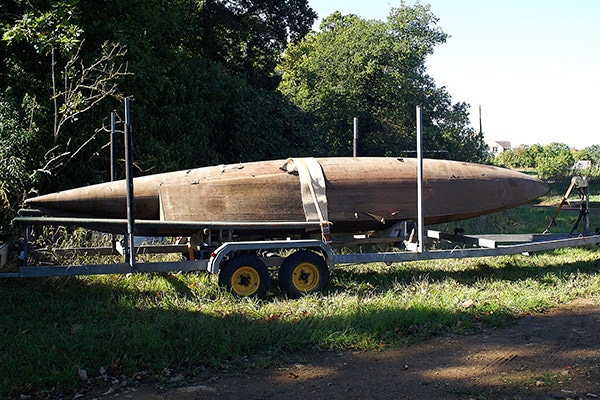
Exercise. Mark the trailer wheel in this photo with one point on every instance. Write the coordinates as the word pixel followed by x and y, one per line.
pixel 303 272
pixel 245 276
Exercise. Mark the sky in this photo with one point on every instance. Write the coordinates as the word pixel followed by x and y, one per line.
pixel 532 65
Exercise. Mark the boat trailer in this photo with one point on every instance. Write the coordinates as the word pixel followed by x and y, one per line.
pixel 243 266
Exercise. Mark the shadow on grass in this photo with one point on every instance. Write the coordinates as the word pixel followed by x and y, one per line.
pixel 540 357
pixel 52 329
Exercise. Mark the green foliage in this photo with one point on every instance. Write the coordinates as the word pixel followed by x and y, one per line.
pixel 591 153
pixel 594 151
pixel 551 161
pixel 44 53
pixel 247 37
pixel 200 74
pixel 55 28
pixel 517 158
pixel 17 145
pixel 556 160
pixel 375 71
pixel 224 121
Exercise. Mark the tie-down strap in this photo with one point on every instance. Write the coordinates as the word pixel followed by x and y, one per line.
pixel 313 190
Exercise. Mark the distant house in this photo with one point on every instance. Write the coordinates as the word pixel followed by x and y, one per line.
pixel 582 165
pixel 497 147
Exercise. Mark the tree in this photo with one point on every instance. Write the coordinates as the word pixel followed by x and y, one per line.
pixel 199 73
pixel 248 36
pixel 594 151
pixel 17 145
pixel 591 153
pixel 202 76
pixel 556 161
pixel 551 161
pixel 74 85
pixel 375 71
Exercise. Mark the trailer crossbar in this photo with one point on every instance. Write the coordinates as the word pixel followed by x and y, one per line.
pixel 99 269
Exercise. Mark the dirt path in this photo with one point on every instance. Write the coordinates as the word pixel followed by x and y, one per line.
pixel 553 356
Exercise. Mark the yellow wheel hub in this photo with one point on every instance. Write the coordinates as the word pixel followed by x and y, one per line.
pixel 245 281
pixel 305 277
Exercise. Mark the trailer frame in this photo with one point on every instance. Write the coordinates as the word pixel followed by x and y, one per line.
pixel 489 245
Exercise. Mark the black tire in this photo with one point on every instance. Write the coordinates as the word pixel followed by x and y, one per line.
pixel 303 272
pixel 245 276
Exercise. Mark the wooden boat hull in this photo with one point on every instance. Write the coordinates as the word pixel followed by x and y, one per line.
pixel 361 194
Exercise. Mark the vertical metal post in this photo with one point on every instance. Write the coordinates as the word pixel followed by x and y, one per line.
pixel 420 215
pixel 24 255
pixel 113 159
pixel 113 147
pixel 586 218
pixel 130 255
pixel 355 142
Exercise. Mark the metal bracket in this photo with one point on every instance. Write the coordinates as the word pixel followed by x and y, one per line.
pixel 476 241
pixel 582 185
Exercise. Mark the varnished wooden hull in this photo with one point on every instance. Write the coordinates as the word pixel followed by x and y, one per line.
pixel 362 193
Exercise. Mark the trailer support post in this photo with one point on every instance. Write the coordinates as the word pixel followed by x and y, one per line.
pixel 113 159
pixel 113 147
pixel 420 216
pixel 355 141
pixel 130 254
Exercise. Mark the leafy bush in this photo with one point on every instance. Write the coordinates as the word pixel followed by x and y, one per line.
pixel 16 149
pixel 555 161
pixel 551 161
